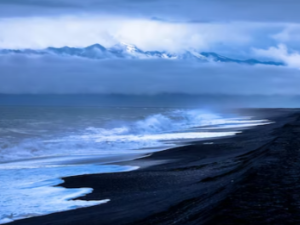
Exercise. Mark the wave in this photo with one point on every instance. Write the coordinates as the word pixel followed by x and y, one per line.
pixel 160 123
pixel 159 131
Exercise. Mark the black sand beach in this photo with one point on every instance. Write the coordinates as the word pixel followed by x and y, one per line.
pixel 251 178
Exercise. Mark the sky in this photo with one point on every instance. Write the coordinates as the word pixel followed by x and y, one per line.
pixel 260 29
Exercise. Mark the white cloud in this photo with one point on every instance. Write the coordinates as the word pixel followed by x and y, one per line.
pixel 289 34
pixel 281 52
pixel 42 32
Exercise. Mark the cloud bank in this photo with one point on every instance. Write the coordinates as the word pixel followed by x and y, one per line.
pixel 73 31
pixel 56 76
pixel 231 38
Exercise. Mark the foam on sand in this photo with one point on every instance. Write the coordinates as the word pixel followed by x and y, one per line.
pixel 29 192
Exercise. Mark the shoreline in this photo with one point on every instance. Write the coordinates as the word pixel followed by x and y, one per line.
pixel 183 185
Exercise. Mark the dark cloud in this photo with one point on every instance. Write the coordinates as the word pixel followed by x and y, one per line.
pixel 188 10
pixel 53 75
pixel 37 3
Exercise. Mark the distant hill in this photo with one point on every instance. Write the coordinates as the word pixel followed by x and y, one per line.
pixel 127 51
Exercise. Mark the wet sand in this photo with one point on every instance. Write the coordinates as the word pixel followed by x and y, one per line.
pixel 251 178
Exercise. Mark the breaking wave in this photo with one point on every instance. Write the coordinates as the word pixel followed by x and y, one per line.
pixel 157 130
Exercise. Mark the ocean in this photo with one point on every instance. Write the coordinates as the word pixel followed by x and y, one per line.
pixel 40 145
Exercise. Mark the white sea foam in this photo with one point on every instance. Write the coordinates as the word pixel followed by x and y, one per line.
pixel 240 125
pixel 29 192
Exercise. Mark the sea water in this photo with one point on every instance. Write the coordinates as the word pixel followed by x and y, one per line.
pixel 40 145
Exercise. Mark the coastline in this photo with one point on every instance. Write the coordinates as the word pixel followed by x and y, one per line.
pixel 184 185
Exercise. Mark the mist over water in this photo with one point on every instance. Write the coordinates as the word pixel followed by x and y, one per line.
pixel 214 102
